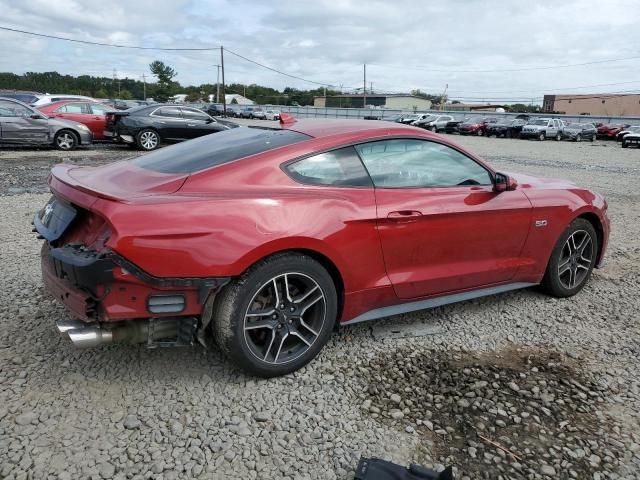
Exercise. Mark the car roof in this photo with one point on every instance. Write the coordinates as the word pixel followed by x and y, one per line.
pixel 325 128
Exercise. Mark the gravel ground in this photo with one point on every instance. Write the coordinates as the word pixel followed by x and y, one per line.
pixel 518 385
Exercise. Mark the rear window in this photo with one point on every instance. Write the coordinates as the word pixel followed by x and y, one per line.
pixel 216 149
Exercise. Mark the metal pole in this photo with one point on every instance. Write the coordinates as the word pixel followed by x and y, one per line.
pixel 218 85
pixel 364 90
pixel 224 98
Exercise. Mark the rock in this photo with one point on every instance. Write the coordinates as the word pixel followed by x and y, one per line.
pixel 107 470
pixel 131 422
pixel 261 416
pixel 547 470
pixel 396 414
pixel 395 398
pixel 26 418
pixel 229 455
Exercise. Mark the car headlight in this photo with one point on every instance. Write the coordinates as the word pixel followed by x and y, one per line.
pixel 81 126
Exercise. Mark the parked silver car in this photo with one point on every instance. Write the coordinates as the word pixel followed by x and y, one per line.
pixel 580 131
pixel 21 124
pixel 543 128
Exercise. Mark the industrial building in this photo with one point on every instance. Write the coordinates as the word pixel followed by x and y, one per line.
pixel 603 104
pixel 392 101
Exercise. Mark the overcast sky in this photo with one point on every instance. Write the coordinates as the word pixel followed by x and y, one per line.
pixel 406 44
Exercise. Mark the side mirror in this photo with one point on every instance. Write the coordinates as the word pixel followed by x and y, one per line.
pixel 210 120
pixel 504 183
pixel 36 116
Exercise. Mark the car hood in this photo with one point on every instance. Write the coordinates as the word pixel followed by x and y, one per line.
pixel 119 181
pixel 529 181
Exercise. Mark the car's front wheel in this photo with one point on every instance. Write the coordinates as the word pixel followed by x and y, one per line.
pixel 147 139
pixel 542 136
pixel 572 260
pixel 65 140
pixel 277 316
pixel 578 138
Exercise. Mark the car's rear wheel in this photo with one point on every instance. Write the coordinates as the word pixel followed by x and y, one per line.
pixel 593 138
pixel 277 316
pixel 479 132
pixel 147 139
pixel 508 134
pixel 65 140
pixel 558 136
pixel 434 129
pixel 572 260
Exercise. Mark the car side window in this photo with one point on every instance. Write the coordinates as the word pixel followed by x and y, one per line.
pixel 412 163
pixel 100 109
pixel 192 114
pixel 173 112
pixel 340 168
pixel 10 109
pixel 74 108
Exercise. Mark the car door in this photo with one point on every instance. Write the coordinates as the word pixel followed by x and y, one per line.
pixel 552 129
pixel 442 226
pixel 199 123
pixel 18 126
pixel 98 119
pixel 169 123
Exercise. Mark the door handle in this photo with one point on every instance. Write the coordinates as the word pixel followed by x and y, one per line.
pixel 404 216
pixel 191 124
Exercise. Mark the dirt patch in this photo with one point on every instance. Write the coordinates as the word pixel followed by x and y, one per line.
pixel 516 413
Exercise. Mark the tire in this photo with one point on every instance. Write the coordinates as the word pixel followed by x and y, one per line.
pixel 65 140
pixel 542 136
pixel 624 144
pixel 578 138
pixel 434 129
pixel 147 139
pixel 593 138
pixel 558 136
pixel 235 310
pixel 567 283
pixel 479 133
pixel 508 134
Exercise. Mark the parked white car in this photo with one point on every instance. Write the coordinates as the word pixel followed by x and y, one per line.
pixel 272 114
pixel 50 98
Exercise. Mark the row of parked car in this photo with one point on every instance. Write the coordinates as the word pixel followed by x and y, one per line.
pixel 67 121
pixel 524 126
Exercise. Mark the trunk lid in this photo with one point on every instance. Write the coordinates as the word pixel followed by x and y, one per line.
pixel 120 181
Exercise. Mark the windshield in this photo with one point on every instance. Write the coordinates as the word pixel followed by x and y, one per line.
pixel 539 121
pixel 216 149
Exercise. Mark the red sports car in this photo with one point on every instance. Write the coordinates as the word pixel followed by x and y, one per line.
pixel 91 114
pixel 270 237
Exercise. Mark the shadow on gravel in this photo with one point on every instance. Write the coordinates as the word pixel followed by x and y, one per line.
pixel 515 414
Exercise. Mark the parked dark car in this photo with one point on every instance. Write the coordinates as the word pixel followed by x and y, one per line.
pixel 452 126
pixel 147 127
pixel 21 124
pixel 579 132
pixel 509 128
pixel 631 140
pixel 215 109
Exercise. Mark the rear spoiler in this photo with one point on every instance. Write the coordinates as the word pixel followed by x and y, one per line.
pixel 60 181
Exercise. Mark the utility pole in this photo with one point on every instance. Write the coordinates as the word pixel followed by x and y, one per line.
pixel 224 98
pixel 218 85
pixel 371 88
pixel 144 86
pixel 364 89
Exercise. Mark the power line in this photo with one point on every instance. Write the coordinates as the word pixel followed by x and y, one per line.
pixel 281 72
pixel 87 42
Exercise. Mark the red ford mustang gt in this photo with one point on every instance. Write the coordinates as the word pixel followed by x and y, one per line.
pixel 269 238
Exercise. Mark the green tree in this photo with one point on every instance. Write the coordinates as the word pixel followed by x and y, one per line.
pixel 165 86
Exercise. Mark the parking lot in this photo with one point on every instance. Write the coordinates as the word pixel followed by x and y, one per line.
pixel 520 384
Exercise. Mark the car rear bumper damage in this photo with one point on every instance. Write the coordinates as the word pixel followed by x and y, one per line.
pixel 116 301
